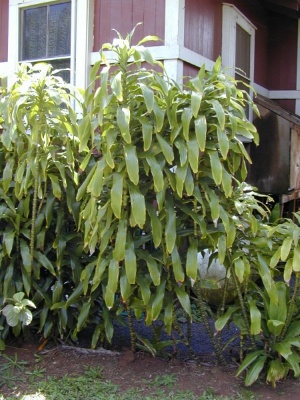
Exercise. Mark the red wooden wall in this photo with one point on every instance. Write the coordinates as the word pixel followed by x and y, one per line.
pixel 123 15
pixel 3 30
pixel 203 27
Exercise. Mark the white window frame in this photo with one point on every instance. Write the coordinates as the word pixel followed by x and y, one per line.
pixel 231 18
pixel 81 36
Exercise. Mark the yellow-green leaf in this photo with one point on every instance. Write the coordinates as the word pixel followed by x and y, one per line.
pixel 192 261
pixel 201 130
pixel 132 163
pixel 116 194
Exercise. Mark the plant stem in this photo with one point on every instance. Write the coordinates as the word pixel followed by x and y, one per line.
pixel 205 320
pixel 243 307
pixel 131 329
pixel 291 308
pixel 34 205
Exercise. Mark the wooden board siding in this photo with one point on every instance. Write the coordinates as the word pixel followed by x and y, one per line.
pixel 203 27
pixel 123 15
pixel 3 30
pixel 189 71
pixel 282 53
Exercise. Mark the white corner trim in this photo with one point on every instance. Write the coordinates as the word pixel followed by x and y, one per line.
pixel 174 22
pixel 194 58
pixel 4 69
pixel 174 52
pixel 83 41
pixel 261 90
pixel 284 94
pixel 157 52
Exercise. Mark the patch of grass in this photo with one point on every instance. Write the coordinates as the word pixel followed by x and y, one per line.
pixel 91 385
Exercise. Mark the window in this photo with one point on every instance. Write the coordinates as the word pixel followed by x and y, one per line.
pixel 46 35
pixel 56 31
pixel 238 47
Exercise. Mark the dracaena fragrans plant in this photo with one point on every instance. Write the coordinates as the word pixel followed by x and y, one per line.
pixel 41 252
pixel 162 183
pixel 105 209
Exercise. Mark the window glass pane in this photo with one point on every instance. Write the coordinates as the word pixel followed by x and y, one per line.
pixel 34 33
pixel 46 31
pixel 59 40
pixel 242 53
pixel 62 64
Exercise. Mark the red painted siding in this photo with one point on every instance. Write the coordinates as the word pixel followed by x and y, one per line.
pixel 3 30
pixel 189 71
pixel 283 53
pixel 123 15
pixel 203 27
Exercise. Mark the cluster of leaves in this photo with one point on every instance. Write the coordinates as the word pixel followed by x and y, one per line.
pixel 105 208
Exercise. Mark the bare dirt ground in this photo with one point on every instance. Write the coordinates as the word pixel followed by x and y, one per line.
pixel 130 370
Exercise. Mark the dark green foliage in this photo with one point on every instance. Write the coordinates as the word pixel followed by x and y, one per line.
pixel 108 196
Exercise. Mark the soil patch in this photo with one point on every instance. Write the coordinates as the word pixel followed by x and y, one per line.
pixel 130 370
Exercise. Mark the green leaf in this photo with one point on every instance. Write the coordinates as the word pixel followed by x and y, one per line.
pixel 138 207
pixel 157 302
pixel 216 167
pixel 156 172
pixel 130 260
pixel 196 99
pixel 296 259
pixel 249 359
pixel 123 120
pixel 170 227
pixel 222 321
pixel 95 185
pixel 219 113
pixel 25 254
pixel 255 318
pixel 156 225
pixel 119 247
pixel 186 117
pixel 84 133
pixel 255 370
pixel 239 269
pixel 151 264
pixel 116 86
pixel 293 360
pixel 56 189
pixel 222 248
pixel 116 194
pixel 184 299
pixel 223 142
pixel 191 260
pixel 112 284
pixel 275 258
pixel 125 287
pixel 159 117
pixel 132 163
pixel 7 174
pixel 148 97
pixel 180 178
pixel 12 318
pixel 83 315
pixel 201 131
pixel 147 131
pixel 275 327
pixel 177 266
pixel 193 153
pixel 286 248
pixel 165 148
pixel 8 241
pixel 41 258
